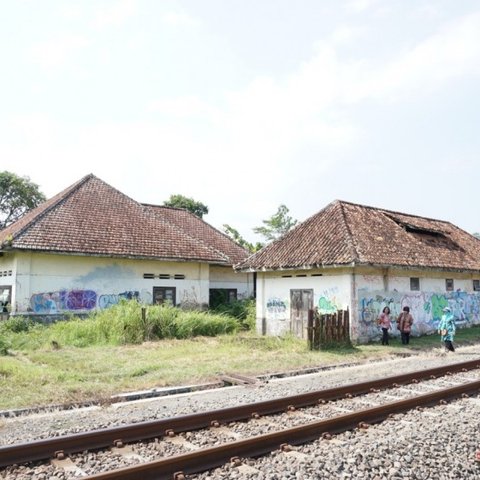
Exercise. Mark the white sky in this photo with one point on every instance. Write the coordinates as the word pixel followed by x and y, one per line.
pixel 247 104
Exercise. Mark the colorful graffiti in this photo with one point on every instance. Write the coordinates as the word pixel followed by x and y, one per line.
pixel 76 300
pixel 105 301
pixel 276 309
pixel 425 307
pixel 53 302
pixel 326 305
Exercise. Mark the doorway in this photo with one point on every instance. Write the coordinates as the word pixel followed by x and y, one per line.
pixel 301 301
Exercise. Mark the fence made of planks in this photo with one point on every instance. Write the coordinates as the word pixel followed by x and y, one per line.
pixel 328 329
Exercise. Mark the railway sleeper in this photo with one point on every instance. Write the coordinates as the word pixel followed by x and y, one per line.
pixel 67 465
pixel 128 453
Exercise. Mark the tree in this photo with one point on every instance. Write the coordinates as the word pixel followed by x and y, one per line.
pixel 179 201
pixel 277 225
pixel 18 195
pixel 236 237
pixel 477 234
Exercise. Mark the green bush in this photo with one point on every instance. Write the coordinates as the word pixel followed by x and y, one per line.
pixel 17 324
pixel 4 346
pixel 242 310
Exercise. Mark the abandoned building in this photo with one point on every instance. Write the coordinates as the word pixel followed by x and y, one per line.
pixel 90 245
pixel 350 256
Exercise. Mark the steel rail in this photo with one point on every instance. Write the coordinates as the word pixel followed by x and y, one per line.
pixel 97 439
pixel 176 467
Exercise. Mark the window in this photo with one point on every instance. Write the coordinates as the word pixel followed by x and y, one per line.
pixel 414 283
pixel 222 296
pixel 163 295
pixel 449 284
pixel 476 285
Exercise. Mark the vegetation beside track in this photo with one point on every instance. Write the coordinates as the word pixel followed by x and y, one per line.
pixel 43 367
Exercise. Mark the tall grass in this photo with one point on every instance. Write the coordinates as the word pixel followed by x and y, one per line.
pixel 122 324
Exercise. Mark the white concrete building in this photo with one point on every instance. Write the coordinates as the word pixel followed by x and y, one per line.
pixel 91 245
pixel 363 258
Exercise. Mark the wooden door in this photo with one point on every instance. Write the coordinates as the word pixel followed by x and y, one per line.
pixel 301 301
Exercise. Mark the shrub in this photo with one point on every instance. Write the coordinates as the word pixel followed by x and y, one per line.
pixel 243 310
pixel 17 324
pixel 4 346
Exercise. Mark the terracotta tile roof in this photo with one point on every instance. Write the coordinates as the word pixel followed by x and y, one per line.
pixel 205 232
pixel 345 233
pixel 93 218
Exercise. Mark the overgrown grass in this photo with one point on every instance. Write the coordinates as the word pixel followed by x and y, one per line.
pixel 123 324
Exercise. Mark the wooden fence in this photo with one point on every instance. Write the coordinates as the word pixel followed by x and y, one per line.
pixel 328 329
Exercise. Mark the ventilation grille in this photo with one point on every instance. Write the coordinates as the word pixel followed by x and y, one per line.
pixel 161 276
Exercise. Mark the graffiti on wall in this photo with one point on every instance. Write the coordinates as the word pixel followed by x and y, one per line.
pixel 327 302
pixel 105 301
pixel 53 302
pixel 425 307
pixel 276 309
pixel 326 305
pixel 76 300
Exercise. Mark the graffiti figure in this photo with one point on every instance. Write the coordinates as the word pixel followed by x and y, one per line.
pixel 49 304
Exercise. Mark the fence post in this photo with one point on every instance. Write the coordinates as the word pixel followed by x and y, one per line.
pixel 310 334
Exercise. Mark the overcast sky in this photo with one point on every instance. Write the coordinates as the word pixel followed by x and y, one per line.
pixel 248 104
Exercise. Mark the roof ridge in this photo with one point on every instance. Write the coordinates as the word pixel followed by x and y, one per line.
pixel 62 196
pixel 351 243
pixel 378 209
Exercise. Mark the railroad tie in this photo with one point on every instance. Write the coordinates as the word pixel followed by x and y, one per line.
pixel 237 463
pixel 227 432
pixel 290 451
pixel 68 466
pixel 127 452
pixel 181 442
pixel 236 379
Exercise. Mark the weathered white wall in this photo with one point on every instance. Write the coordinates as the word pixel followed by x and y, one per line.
pixel 426 305
pixel 331 291
pixel 47 283
pixel 226 277
pixel 365 291
pixel 400 280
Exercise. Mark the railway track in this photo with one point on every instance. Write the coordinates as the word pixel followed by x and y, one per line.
pixel 224 434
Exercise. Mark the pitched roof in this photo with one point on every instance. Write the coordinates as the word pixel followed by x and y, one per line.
pixel 92 218
pixel 345 233
pixel 189 222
